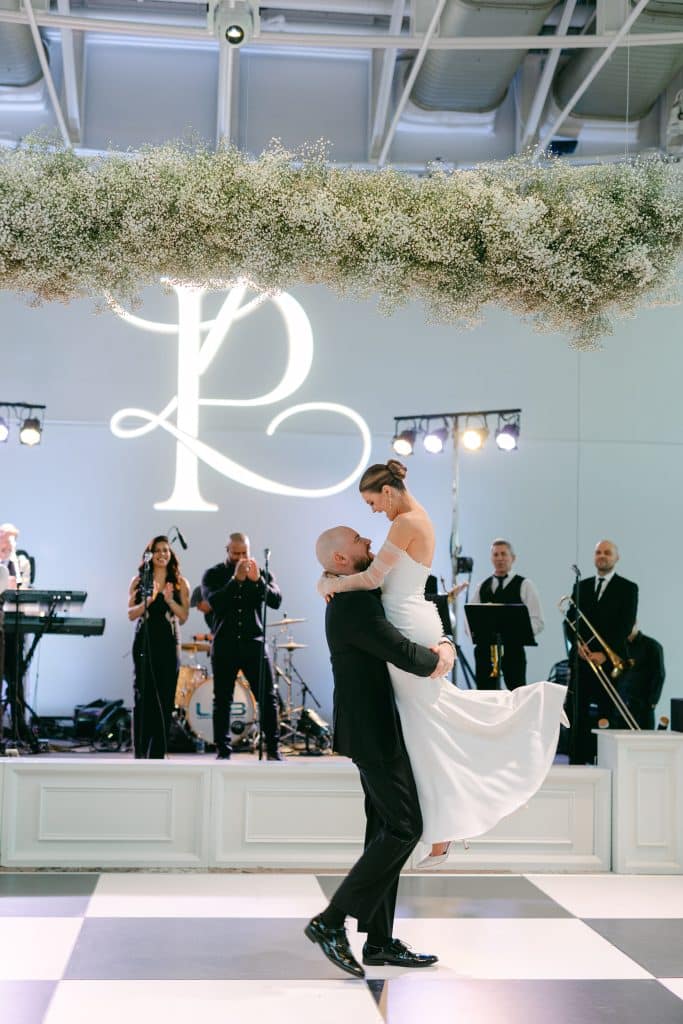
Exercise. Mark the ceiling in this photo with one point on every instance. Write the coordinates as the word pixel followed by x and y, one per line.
pixel 401 82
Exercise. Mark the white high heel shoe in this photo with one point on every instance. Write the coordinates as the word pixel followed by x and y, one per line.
pixel 430 861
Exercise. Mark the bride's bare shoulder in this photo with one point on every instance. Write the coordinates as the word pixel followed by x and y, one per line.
pixel 411 525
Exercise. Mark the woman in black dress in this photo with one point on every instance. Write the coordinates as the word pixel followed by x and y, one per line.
pixel 159 599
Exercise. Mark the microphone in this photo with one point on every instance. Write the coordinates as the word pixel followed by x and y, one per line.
pixel 179 537
pixel 147 557
pixel 266 554
pixel 575 569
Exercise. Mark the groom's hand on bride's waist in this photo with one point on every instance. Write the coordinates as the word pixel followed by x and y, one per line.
pixel 446 653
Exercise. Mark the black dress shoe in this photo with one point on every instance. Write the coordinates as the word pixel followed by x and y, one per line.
pixel 223 755
pixel 274 755
pixel 335 945
pixel 396 954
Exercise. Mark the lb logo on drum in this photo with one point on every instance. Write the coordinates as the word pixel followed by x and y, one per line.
pixel 198 343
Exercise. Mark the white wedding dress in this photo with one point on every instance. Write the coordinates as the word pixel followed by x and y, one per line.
pixel 477 755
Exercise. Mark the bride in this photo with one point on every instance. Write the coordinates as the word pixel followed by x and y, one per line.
pixel 476 755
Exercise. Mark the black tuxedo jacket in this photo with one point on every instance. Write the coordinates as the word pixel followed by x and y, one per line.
pixel 361 641
pixel 613 616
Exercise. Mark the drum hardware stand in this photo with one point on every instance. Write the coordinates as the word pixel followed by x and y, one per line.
pixel 290 728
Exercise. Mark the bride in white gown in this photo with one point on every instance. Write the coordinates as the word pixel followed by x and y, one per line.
pixel 476 755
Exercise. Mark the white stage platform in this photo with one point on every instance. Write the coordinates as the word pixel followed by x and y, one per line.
pixel 192 811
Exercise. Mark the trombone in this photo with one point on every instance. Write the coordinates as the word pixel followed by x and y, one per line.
pixel 604 677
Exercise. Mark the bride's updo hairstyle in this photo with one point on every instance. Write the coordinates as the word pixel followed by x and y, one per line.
pixel 389 474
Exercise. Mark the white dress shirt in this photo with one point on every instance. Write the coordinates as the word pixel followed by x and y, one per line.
pixel 607 577
pixel 529 596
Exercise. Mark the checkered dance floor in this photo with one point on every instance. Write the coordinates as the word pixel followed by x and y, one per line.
pixel 185 948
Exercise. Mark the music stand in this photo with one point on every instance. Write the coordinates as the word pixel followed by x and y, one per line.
pixel 495 625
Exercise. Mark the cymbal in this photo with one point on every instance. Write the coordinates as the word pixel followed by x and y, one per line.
pixel 291 646
pixel 202 647
pixel 286 622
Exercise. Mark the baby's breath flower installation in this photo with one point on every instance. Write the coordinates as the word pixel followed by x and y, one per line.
pixel 566 245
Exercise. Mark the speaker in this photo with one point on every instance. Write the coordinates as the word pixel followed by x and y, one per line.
pixel 677 714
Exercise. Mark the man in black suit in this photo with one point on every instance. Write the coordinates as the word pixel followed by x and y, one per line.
pixel 368 730
pixel 642 683
pixel 610 603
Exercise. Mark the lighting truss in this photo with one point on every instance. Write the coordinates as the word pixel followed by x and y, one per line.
pixel 469 429
pixel 27 416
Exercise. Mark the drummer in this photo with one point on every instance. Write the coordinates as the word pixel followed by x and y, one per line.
pixel 235 590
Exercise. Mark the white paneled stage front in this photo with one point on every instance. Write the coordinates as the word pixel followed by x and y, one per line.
pixel 194 812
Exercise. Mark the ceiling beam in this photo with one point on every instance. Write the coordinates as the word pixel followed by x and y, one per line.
pixel 47 73
pixel 381 41
pixel 408 87
pixel 622 34
pixel 228 85
pixel 546 79
pixel 382 91
pixel 72 68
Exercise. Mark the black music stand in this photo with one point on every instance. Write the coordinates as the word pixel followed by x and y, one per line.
pixel 494 625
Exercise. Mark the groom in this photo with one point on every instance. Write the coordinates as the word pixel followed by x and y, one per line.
pixel 368 730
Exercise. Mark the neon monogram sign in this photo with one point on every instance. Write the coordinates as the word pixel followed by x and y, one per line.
pixel 194 359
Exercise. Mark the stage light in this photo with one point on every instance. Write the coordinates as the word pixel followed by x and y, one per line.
pixel 507 437
pixel 31 431
pixel 507 431
pixel 435 440
pixel 236 21
pixel 4 429
pixel 404 443
pixel 473 438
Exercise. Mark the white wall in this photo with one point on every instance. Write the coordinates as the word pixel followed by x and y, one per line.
pixel 601 454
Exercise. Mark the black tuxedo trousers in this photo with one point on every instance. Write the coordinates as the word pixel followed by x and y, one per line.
pixel 393 829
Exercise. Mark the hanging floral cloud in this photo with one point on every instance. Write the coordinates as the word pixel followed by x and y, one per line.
pixel 569 246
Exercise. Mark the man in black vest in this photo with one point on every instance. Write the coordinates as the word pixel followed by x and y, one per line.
pixel 610 603
pixel 235 590
pixel 505 587
pixel 368 730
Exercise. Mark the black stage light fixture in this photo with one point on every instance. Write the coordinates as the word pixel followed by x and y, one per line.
pixel 474 435
pixel 507 433
pixel 435 439
pixel 31 431
pixel 29 419
pixel 404 443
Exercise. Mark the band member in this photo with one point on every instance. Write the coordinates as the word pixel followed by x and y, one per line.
pixel 505 587
pixel 642 682
pixel 159 600
pixel 235 591
pixel 12 659
pixel 609 604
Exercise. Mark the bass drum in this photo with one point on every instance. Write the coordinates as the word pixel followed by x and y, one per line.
pixel 190 677
pixel 243 713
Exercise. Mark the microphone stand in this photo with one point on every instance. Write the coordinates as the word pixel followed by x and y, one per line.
pixel 262 663
pixel 146 588
pixel 574 735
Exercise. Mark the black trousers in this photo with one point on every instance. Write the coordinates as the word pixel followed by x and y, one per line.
pixel 593 704
pixel 512 666
pixel 394 827
pixel 225 664
pixel 14 692
pixel 156 676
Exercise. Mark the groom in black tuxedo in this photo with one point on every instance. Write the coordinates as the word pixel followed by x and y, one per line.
pixel 610 603
pixel 368 730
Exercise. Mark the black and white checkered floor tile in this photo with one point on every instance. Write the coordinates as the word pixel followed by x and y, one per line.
pixel 183 947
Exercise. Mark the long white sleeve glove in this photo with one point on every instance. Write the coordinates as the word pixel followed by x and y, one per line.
pixel 383 562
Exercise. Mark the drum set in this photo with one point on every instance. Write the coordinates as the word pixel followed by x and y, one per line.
pixel 302 730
